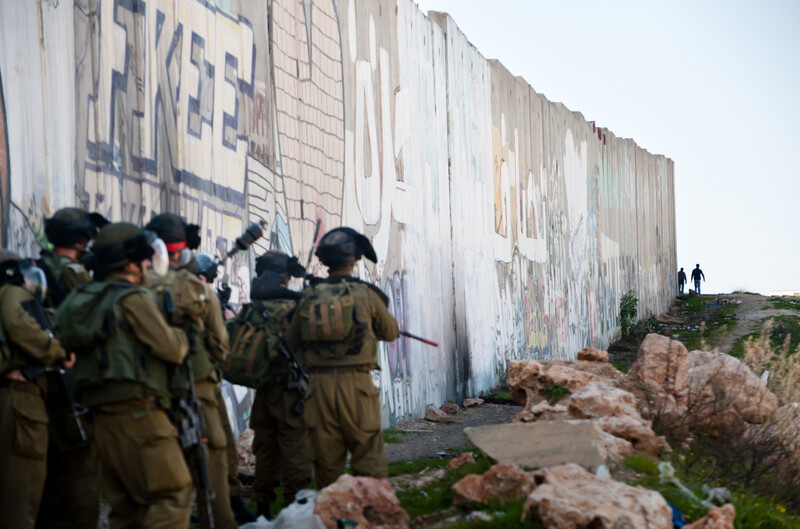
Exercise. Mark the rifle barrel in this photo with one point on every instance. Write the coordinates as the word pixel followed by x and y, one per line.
pixel 423 340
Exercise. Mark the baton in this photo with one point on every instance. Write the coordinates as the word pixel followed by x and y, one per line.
pixel 423 340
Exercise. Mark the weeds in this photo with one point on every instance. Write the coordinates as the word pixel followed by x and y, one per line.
pixel 393 435
pixel 554 393
pixel 628 309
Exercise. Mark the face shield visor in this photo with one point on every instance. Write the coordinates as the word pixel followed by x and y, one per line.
pixel 33 279
pixel 185 258
pixel 159 262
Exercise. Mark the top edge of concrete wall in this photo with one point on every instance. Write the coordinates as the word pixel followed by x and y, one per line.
pixel 442 18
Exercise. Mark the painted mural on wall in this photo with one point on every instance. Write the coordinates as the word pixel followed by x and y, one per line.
pixel 506 225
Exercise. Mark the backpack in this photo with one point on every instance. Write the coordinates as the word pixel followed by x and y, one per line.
pixel 327 319
pixel 256 340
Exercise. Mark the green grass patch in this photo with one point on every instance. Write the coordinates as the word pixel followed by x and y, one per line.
pixel 621 366
pixel 643 464
pixel 398 468
pixel 393 435
pixel 784 303
pixel 554 393
pixel 506 516
pixel 438 495
pixel 719 322
pixel 738 348
pixel 693 305
pixel 785 329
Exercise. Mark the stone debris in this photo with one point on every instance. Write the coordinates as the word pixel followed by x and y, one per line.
pixel 616 448
pixel 725 381
pixel 662 364
pixel 542 444
pixel 601 400
pixel 569 497
pixel 245 448
pixel 417 481
pixel 436 415
pixel 367 501
pixel 593 355
pixel 640 434
pixel 460 461
pixel 501 483
pixel 449 408
pixel 471 403
pixel 717 518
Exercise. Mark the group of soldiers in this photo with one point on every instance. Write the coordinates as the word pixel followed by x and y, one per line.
pixel 113 346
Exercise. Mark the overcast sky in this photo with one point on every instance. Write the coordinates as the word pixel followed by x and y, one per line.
pixel 713 85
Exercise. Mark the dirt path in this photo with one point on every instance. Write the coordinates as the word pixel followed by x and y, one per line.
pixel 430 439
pixel 753 309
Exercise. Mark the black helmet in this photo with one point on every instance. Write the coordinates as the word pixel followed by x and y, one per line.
pixel 175 232
pixel 280 263
pixel 342 247
pixel 203 264
pixel 71 226
pixel 121 243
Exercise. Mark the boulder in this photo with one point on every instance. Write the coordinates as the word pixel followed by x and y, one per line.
pixel 616 448
pixel 569 497
pixel 471 403
pixel 436 415
pixel 601 400
pixel 500 483
pixel 639 433
pixel 460 461
pixel 593 355
pixel 543 411
pixel 717 518
pixel 718 381
pixel 662 363
pixel 449 408
pixel 541 444
pixel 367 501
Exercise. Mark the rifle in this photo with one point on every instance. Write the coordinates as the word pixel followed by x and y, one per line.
pixel 188 419
pixel 75 410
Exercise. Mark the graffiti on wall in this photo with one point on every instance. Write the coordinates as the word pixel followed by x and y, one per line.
pixel 5 169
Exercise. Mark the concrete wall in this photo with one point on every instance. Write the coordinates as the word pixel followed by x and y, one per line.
pixel 506 225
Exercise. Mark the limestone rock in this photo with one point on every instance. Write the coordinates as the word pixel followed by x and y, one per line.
pixel 718 381
pixel 460 461
pixel 593 355
pixel 717 518
pixel 569 497
pixel 368 501
pixel 501 482
pixel 640 434
pixel 542 444
pixel 662 363
pixel 601 400
pixel 471 403
pixel 567 377
pixel 245 449
pixel 449 408
pixel 616 448
pixel 436 415
pixel 418 480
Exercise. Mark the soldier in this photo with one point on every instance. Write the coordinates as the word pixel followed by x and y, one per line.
pixel 197 311
pixel 72 488
pixel 337 326
pixel 125 350
pixel 23 416
pixel 205 267
pixel 282 443
pixel 69 231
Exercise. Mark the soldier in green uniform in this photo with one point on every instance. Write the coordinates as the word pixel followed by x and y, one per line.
pixel 23 416
pixel 72 489
pixel 282 445
pixel 337 326
pixel 125 349
pixel 205 267
pixel 197 311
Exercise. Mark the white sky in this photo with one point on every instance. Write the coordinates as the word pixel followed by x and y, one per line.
pixel 713 85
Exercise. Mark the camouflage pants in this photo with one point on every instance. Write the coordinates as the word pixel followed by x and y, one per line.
pixel 281 445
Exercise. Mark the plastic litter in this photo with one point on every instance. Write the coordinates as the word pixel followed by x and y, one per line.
pixel 678 518
pixel 298 515
pixel 602 472
pixel 666 474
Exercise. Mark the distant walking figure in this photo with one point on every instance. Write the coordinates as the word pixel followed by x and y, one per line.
pixel 681 280
pixel 696 275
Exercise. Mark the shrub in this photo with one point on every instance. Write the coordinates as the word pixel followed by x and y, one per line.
pixel 627 312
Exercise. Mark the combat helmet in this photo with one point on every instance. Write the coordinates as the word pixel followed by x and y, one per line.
pixel 342 247
pixel 280 263
pixel 121 243
pixel 69 227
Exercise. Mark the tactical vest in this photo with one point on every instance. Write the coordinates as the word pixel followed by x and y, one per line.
pixel 257 334
pixel 112 365
pixel 56 268
pixel 188 312
pixel 335 322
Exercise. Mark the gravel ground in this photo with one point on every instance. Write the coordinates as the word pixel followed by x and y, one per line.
pixel 427 439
